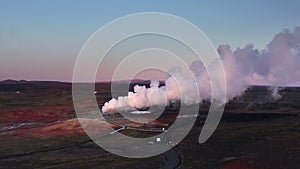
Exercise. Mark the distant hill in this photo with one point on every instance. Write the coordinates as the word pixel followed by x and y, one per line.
pixel 10 81
pixel 256 99
pixel 23 85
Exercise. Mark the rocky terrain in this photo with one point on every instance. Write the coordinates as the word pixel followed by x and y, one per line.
pixel 39 129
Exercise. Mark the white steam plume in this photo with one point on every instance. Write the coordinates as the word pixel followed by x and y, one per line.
pixel 277 65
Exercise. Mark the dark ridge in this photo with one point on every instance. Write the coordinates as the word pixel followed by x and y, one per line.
pixel 143 109
pixel 10 81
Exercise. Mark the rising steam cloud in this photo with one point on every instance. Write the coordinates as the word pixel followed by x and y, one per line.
pixel 277 65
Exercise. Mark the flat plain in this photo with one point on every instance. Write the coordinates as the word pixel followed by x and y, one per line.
pixel 39 129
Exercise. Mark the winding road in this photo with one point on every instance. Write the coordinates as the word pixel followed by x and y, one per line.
pixel 172 157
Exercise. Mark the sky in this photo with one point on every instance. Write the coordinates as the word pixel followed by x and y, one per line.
pixel 40 40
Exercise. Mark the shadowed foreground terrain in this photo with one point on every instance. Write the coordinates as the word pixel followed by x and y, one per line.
pixel 39 129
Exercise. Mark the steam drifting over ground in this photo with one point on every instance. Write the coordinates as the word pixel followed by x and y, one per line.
pixel 277 65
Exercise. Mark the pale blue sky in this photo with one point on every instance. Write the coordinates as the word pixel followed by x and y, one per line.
pixel 40 40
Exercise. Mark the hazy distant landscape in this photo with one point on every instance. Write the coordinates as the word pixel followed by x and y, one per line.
pixel 39 129
pixel 187 84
